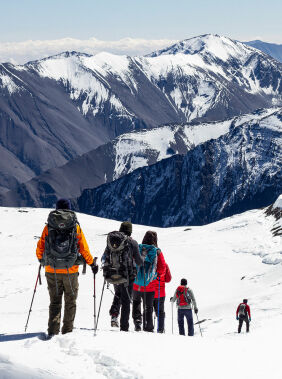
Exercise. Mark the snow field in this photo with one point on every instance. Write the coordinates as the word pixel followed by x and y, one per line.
pixel 223 264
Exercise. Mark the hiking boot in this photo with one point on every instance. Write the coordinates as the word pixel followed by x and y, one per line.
pixel 137 327
pixel 46 337
pixel 114 322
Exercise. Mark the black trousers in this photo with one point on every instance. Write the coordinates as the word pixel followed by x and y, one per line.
pixel 161 312
pixel 241 320
pixel 115 308
pixel 148 315
pixel 122 299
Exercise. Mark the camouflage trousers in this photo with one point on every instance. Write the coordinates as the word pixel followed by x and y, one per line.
pixel 68 286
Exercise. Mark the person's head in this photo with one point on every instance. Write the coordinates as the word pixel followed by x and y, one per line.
pixel 63 204
pixel 245 301
pixel 183 282
pixel 126 228
pixel 150 238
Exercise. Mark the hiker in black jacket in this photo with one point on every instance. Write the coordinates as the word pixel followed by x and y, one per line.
pixel 123 294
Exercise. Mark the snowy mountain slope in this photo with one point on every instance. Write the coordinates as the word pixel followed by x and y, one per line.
pixel 226 60
pixel 272 49
pixel 40 127
pixel 238 171
pixel 119 157
pixel 66 105
pixel 223 264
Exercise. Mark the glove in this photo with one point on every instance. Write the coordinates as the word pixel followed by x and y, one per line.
pixel 42 262
pixel 94 268
pixel 250 319
pixel 196 310
pixel 237 318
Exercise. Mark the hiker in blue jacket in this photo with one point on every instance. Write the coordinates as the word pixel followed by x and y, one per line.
pixel 145 282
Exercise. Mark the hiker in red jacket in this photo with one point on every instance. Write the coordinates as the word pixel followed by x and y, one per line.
pixel 184 297
pixel 147 293
pixel 243 313
pixel 159 299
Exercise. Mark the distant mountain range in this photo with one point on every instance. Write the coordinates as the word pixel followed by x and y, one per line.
pixel 56 109
pixel 187 134
pixel 239 170
pixel 272 49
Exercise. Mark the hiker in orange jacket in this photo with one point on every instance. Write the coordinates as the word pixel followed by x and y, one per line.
pixel 63 280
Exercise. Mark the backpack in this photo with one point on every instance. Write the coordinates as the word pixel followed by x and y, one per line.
pixel 148 272
pixel 167 274
pixel 118 265
pixel 183 298
pixel 242 310
pixel 61 248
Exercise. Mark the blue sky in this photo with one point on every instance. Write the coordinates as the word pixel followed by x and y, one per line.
pixel 22 20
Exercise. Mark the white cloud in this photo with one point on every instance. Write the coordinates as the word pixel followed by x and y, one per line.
pixel 22 52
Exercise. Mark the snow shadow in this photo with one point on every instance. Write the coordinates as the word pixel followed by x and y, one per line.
pixel 18 337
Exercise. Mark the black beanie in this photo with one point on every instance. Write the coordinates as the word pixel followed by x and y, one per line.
pixel 183 282
pixel 63 204
pixel 126 228
pixel 245 301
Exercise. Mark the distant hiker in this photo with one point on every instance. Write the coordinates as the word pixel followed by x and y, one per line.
pixel 243 313
pixel 159 300
pixel 119 268
pixel 146 281
pixel 184 297
pixel 60 249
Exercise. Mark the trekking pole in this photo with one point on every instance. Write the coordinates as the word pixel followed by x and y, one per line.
pixel 100 305
pixel 37 279
pixel 144 303
pixel 159 292
pixel 199 324
pixel 172 316
pixel 94 296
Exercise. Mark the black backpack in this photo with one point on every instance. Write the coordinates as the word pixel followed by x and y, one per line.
pixel 118 265
pixel 242 310
pixel 61 248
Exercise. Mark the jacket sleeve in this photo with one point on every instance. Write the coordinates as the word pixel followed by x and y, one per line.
pixel 192 298
pixel 41 243
pixel 237 310
pixel 249 311
pixel 83 246
pixel 103 259
pixel 161 265
pixel 136 254
pixel 167 274
pixel 174 296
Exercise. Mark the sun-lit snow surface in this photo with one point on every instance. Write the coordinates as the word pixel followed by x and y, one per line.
pixel 6 80
pixel 134 150
pixel 223 264
pixel 278 203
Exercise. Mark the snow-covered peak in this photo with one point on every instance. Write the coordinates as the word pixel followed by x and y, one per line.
pixel 64 54
pixel 278 203
pixel 217 46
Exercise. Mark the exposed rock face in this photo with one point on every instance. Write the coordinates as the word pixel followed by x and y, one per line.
pixel 238 171
pixel 118 158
